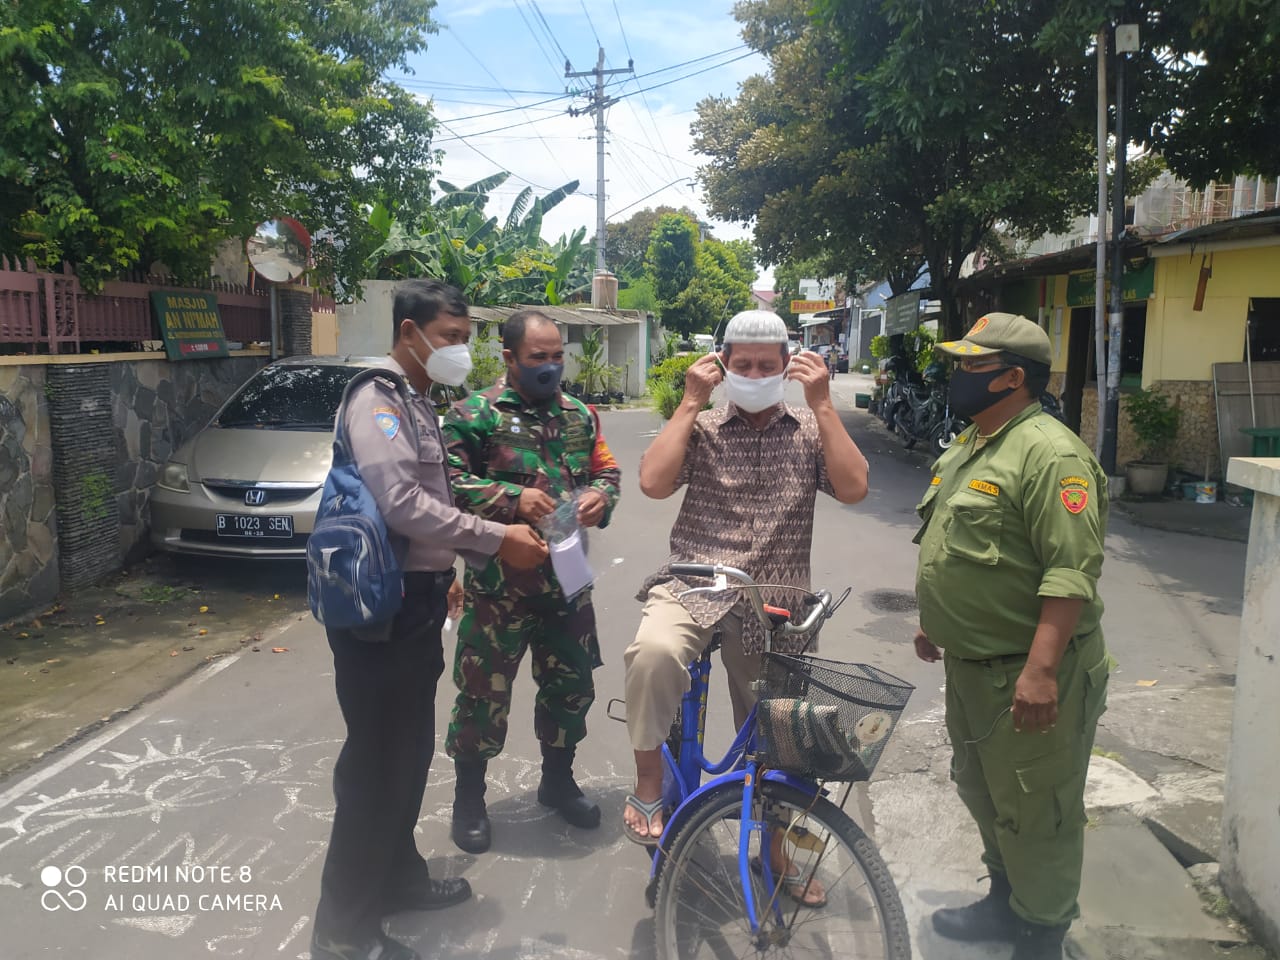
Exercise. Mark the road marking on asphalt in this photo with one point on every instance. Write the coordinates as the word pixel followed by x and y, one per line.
pixel 26 785
pixel 297 929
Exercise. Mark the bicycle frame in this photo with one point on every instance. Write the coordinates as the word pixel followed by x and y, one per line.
pixel 682 776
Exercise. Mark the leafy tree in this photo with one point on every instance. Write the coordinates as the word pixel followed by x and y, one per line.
pixel 1203 87
pixel 494 265
pixel 891 133
pixel 638 295
pixel 133 131
pixel 670 256
pixel 626 243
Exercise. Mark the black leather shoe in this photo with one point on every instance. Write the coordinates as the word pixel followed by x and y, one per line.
pixel 379 947
pixel 471 830
pixel 432 895
pixel 1033 941
pixel 563 795
pixel 990 918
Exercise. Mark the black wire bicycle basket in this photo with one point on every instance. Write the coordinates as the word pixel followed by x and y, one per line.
pixel 826 720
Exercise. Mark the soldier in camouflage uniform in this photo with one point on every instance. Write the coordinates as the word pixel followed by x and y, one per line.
pixel 515 453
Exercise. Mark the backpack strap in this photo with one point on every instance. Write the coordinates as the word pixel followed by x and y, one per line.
pixel 340 446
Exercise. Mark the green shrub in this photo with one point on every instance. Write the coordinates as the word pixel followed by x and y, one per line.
pixel 666 383
pixel 1155 423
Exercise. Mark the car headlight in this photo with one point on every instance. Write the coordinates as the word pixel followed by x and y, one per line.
pixel 174 477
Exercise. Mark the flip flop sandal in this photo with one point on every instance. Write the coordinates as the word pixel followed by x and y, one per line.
pixel 648 808
pixel 793 887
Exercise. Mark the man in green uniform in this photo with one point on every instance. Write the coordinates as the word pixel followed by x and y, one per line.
pixel 517 452
pixel 1010 555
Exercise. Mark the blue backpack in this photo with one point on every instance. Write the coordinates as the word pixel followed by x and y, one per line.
pixel 353 577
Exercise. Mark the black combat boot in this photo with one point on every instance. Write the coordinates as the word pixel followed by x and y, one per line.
pixel 1033 941
pixel 559 791
pixel 470 830
pixel 990 918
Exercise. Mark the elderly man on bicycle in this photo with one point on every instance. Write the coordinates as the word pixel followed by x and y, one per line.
pixel 753 468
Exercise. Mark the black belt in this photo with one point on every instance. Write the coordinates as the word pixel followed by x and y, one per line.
pixel 424 580
pixel 1012 657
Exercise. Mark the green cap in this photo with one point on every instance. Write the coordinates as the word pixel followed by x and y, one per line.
pixel 1002 333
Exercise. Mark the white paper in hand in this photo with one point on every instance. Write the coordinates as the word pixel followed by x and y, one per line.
pixel 569 561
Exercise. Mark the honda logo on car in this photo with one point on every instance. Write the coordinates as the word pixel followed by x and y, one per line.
pixel 255 498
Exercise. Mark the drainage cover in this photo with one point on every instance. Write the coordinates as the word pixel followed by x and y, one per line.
pixel 892 601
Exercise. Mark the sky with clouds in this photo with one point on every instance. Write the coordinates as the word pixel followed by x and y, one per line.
pixel 495 73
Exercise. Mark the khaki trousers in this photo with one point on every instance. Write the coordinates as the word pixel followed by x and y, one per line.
pixel 657 662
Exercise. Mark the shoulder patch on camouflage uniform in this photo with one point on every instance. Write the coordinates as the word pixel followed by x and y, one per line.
pixel 388 421
pixel 1074 482
pixel 1075 499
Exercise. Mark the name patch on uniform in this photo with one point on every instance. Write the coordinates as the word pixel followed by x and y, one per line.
pixel 1075 499
pixel 983 487
pixel 1074 482
pixel 388 421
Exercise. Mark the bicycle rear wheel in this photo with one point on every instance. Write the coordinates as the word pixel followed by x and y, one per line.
pixel 701 909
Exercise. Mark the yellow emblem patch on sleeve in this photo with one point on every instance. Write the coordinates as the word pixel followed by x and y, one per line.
pixel 1074 482
pixel 982 486
pixel 935 481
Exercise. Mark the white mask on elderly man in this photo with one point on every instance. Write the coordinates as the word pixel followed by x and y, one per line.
pixel 753 395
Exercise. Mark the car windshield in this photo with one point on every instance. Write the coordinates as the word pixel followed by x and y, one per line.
pixel 289 396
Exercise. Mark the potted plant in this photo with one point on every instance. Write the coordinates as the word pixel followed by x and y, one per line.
pixel 1155 423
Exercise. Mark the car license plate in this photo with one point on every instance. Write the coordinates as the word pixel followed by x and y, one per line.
pixel 243 525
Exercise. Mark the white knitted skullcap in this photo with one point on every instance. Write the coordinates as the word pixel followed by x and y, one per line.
pixel 756 326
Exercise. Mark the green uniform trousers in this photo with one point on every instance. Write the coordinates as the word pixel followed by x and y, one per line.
pixel 1026 790
pixel 492 638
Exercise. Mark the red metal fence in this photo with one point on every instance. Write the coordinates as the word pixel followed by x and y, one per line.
pixel 45 312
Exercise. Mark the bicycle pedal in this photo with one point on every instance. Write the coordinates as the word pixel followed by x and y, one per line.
pixel 608 710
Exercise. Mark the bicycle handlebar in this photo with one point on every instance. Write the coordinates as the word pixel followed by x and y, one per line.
pixel 713 570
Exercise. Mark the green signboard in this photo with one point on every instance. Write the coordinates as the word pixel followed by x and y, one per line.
pixel 902 313
pixel 1138 285
pixel 190 324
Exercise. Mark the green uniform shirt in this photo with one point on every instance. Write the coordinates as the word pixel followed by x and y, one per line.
pixel 498 444
pixel 1009 520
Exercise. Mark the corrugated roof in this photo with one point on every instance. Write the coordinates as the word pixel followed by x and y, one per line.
pixel 574 316
pixel 1247 227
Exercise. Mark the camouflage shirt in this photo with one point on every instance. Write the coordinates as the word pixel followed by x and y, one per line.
pixel 499 444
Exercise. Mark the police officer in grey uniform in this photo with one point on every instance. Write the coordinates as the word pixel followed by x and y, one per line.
pixel 387 688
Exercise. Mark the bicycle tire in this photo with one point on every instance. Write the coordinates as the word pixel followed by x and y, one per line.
pixel 686 931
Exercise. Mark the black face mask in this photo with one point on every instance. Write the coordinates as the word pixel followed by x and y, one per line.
pixel 968 394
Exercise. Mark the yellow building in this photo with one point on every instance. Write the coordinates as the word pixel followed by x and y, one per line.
pixel 1198 302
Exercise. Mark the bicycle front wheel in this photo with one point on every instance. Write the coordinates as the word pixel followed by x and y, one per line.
pixel 701 909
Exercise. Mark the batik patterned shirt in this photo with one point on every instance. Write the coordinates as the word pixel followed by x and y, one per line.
pixel 749 504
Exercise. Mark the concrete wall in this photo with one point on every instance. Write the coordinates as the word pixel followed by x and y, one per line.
pixel 82 440
pixel 365 327
pixel 1251 815
pixel 29 549
pixel 156 406
pixel 324 334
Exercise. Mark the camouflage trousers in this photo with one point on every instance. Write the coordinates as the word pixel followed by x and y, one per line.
pixel 492 639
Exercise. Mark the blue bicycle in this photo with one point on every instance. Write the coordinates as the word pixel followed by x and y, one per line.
pixel 759 861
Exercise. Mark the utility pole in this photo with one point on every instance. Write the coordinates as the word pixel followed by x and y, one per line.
pixel 599 103
pixel 1126 41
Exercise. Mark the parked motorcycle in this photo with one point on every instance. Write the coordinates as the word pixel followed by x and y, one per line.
pixel 923 412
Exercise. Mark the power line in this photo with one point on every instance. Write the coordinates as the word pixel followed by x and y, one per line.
pixel 546 146
pixel 551 33
pixel 589 23
pixel 648 109
pixel 500 166
pixel 637 143
pixel 622 96
pixel 537 39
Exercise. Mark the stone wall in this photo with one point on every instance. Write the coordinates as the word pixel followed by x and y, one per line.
pixel 295 321
pixel 157 406
pixel 29 551
pixel 1197 434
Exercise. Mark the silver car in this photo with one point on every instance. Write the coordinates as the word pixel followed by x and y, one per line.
pixel 249 483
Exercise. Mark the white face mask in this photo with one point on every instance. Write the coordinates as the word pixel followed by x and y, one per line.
pixel 753 395
pixel 447 365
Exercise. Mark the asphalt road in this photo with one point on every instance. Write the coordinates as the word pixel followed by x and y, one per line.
pixel 216 796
